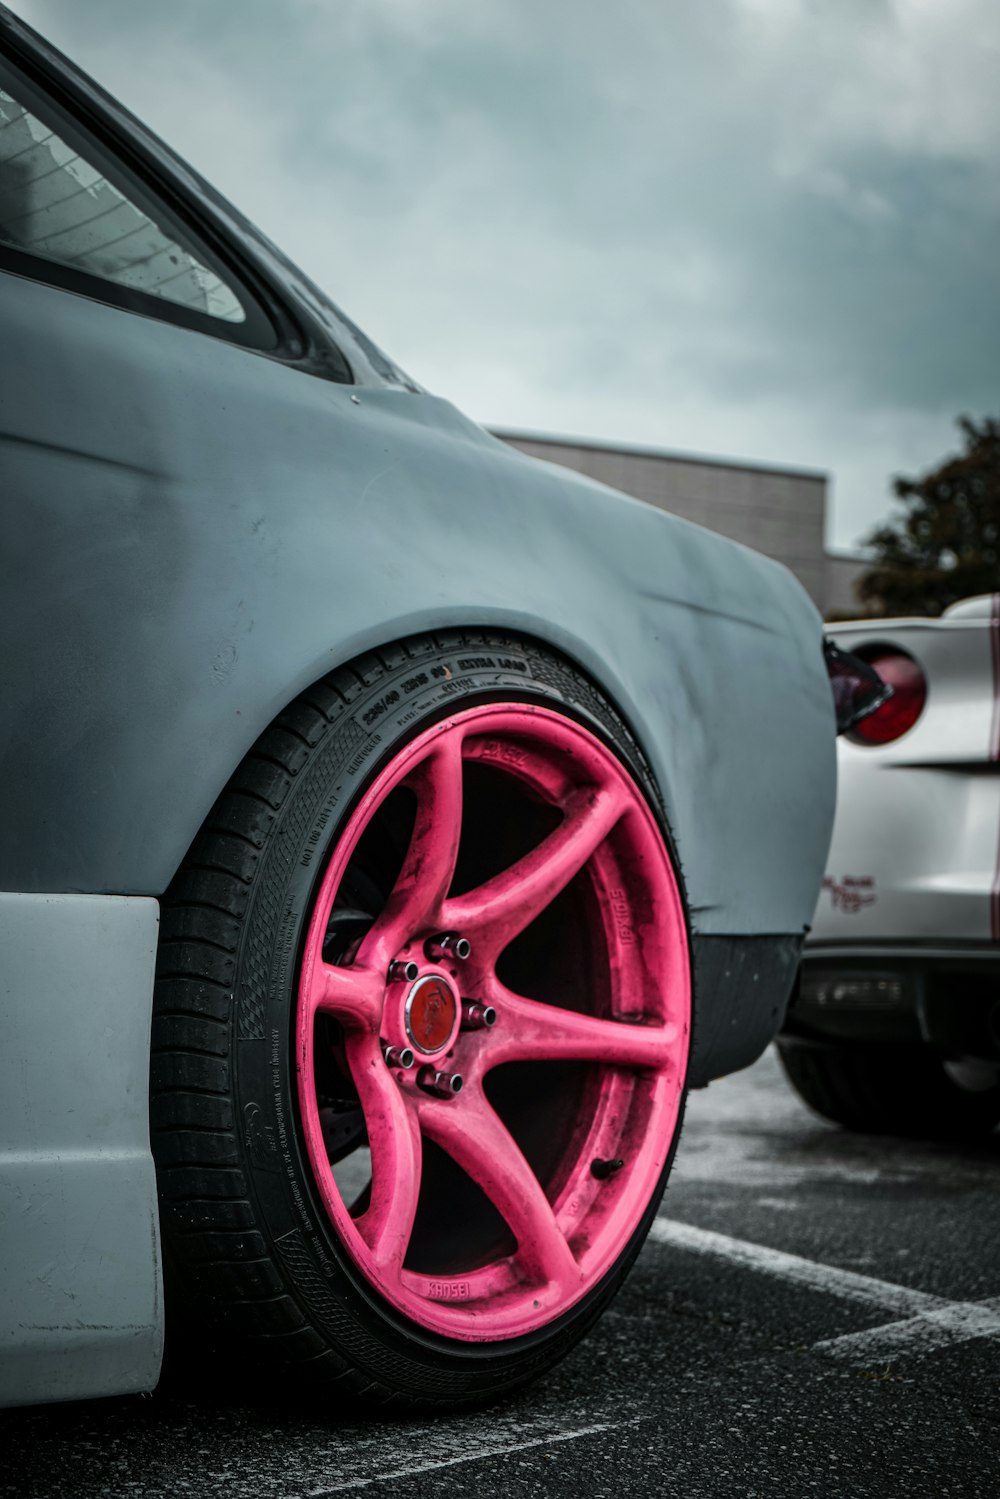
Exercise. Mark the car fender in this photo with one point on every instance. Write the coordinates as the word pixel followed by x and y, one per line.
pixel 193 534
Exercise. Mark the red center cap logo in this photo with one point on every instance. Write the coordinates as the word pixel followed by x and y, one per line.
pixel 431 1012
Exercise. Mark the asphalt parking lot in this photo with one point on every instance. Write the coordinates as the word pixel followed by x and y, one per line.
pixel 816 1313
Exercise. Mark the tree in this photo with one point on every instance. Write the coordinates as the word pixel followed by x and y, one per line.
pixel 947 544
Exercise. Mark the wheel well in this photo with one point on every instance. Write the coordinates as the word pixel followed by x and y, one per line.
pixel 476 642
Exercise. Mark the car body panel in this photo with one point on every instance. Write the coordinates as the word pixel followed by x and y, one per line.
pixel 256 527
pixel 81 1305
pixel 915 842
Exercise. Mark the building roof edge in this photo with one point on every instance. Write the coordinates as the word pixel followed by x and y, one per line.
pixel 642 450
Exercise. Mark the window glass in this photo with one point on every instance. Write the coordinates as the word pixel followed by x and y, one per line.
pixel 54 204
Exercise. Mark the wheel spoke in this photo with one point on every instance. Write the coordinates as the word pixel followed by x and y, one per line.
pixel 502 907
pixel 528 1031
pixel 416 899
pixel 476 1138
pixel 397 1155
pixel 353 995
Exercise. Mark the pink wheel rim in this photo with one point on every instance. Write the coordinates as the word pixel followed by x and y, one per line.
pixel 627 1053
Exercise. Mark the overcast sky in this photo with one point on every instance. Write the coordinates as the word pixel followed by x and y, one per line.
pixel 750 228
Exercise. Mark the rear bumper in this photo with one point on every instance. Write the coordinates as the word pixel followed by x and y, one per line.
pixel 81 1304
pixel 943 995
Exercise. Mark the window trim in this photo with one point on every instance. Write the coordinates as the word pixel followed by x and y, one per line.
pixel 261 331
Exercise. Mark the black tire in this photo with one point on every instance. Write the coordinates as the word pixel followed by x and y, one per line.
pixel 888 1090
pixel 248 1246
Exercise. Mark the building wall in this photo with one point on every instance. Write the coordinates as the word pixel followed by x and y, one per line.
pixel 778 511
pixel 842 571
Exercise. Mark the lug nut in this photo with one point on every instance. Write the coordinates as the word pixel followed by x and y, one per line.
pixel 403 973
pixel 447 945
pixel 442 1084
pixel 475 1015
pixel 397 1056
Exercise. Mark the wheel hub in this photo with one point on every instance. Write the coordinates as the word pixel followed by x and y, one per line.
pixel 431 1013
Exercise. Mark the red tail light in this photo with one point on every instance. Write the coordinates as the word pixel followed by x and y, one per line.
pixel 909 693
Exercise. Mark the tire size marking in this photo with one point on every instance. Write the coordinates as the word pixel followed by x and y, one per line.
pixel 381 705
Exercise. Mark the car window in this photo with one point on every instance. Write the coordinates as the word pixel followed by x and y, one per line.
pixel 57 205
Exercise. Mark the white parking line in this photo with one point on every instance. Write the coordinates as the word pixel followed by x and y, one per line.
pixel 461 1443
pixel 847 1284
pixel 958 1322
pixel 930 1321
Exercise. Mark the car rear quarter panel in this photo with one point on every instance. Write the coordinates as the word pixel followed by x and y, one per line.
pixel 914 850
pixel 193 533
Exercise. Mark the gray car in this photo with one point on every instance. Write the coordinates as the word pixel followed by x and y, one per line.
pixel 371 795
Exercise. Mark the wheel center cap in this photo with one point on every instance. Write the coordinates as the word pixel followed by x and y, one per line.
pixel 431 1013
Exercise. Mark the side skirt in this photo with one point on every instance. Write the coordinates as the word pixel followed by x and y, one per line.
pixel 81 1304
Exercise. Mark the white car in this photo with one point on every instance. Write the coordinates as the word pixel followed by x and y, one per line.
pixel 895 1023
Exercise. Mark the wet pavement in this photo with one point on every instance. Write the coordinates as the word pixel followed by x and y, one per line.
pixel 816 1313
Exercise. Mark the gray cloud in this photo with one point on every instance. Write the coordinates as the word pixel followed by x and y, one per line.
pixel 765 228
